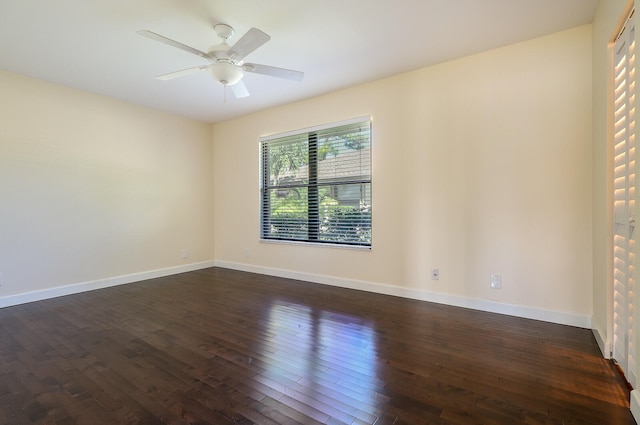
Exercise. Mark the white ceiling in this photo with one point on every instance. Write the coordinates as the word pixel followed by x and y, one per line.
pixel 92 44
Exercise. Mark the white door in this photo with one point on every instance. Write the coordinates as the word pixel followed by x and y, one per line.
pixel 624 201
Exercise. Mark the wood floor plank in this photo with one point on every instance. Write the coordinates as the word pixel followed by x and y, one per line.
pixel 217 346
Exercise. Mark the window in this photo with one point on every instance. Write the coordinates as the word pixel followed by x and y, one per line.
pixel 316 184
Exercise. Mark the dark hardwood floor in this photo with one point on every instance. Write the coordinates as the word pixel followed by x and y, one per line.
pixel 224 347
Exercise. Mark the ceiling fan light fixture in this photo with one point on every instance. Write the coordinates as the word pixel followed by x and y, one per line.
pixel 226 73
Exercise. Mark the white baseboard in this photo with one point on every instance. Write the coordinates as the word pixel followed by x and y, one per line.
pixel 454 300
pixel 75 288
pixel 602 342
pixel 635 405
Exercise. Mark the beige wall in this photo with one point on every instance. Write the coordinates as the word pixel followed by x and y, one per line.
pixel 480 165
pixel 93 188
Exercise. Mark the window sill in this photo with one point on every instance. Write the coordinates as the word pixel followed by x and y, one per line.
pixel 316 244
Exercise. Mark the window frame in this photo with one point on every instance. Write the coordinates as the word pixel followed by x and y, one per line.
pixel 313 185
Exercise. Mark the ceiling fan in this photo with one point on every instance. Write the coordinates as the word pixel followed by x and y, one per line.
pixel 226 63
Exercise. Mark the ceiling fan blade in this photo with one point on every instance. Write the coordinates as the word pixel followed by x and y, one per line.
pixel 181 73
pixel 239 90
pixel 173 43
pixel 272 71
pixel 249 42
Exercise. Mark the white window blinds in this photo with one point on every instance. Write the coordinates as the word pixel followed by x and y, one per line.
pixel 316 185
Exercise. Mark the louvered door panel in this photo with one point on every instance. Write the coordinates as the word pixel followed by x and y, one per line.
pixel 624 202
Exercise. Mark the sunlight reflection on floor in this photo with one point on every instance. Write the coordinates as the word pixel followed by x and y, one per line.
pixel 334 367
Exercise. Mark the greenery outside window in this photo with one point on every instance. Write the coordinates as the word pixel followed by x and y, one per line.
pixel 316 184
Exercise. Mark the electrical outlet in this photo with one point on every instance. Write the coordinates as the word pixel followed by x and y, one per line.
pixel 185 253
pixel 496 281
pixel 1 281
pixel 435 274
